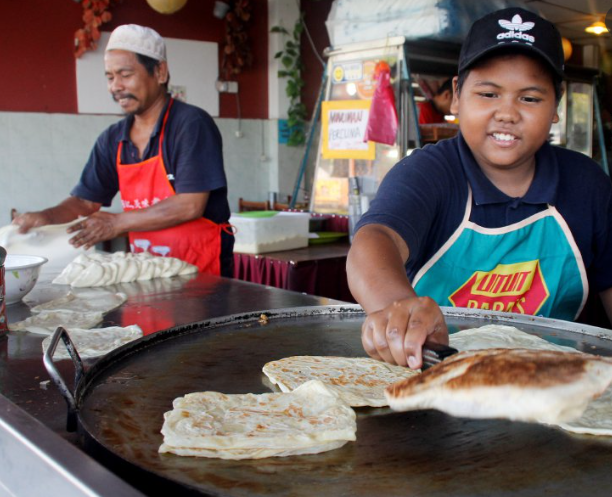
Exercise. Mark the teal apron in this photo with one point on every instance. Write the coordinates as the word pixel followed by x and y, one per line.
pixel 530 267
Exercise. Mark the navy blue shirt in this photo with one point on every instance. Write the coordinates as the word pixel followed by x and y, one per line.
pixel 423 198
pixel 192 152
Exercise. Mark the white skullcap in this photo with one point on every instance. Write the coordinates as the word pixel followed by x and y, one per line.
pixel 138 39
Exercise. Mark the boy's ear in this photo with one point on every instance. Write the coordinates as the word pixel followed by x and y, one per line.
pixel 454 108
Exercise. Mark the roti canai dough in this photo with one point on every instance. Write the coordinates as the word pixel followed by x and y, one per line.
pixel 46 322
pixel 97 300
pixel 100 269
pixel 497 336
pixel 51 241
pixel 359 381
pixel 95 342
pixel 518 384
pixel 309 420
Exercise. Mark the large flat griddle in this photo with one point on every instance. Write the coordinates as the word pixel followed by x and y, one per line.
pixel 122 399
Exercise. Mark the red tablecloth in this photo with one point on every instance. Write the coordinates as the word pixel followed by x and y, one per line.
pixel 316 270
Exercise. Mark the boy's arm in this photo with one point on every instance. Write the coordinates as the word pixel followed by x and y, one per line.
pixel 398 321
pixel 375 267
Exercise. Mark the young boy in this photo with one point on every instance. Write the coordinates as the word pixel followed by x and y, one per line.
pixel 495 218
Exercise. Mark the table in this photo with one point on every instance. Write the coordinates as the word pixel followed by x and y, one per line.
pixel 315 270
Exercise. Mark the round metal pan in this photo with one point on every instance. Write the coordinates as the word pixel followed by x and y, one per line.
pixel 122 398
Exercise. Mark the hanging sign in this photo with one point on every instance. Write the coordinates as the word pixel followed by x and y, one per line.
pixel 344 125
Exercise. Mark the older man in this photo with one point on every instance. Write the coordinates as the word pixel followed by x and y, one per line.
pixel 166 160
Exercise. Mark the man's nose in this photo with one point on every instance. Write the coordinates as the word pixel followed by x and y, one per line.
pixel 114 85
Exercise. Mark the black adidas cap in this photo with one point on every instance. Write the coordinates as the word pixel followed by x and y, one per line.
pixel 513 28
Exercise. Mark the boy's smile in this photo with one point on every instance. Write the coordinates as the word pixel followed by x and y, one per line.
pixel 506 107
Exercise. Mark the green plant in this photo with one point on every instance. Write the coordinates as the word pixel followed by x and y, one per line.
pixel 292 70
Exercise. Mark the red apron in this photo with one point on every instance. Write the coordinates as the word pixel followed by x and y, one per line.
pixel 145 184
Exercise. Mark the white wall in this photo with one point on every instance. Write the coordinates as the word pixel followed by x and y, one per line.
pixel 283 13
pixel 42 156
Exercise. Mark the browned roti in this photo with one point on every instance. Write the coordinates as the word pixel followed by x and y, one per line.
pixel 495 367
pixel 520 384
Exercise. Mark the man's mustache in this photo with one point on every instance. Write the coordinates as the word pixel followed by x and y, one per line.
pixel 119 96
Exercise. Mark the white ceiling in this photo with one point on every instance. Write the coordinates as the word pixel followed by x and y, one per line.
pixel 572 16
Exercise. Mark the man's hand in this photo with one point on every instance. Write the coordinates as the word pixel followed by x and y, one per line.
pixel 396 334
pixel 98 227
pixel 29 220
pixel 64 212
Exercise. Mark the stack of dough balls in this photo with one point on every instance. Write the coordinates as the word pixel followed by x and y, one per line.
pixel 100 269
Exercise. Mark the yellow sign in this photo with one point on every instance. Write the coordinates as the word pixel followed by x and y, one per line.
pixel 344 125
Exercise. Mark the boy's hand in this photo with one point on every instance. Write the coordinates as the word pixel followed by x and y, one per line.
pixel 396 333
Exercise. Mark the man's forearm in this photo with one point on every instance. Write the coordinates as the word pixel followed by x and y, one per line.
pixel 171 211
pixel 69 210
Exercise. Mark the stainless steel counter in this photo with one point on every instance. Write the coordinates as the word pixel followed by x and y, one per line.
pixel 32 411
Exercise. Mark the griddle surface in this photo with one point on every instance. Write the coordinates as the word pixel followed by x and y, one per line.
pixel 407 454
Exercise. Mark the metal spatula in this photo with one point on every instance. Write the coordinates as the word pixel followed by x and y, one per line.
pixel 434 353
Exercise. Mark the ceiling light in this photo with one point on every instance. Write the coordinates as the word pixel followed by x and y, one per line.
pixel 597 28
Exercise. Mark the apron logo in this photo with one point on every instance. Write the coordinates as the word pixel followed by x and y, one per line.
pixel 516 288
pixel 130 205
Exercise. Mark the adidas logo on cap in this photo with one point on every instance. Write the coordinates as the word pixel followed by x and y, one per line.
pixel 516 28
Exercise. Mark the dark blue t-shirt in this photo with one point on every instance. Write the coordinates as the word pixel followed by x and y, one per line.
pixel 423 198
pixel 192 152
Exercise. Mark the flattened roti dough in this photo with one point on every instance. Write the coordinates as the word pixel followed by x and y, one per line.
pixel 46 322
pixel 359 381
pixel 518 384
pixel 309 420
pixel 95 342
pixel 96 300
pixel 51 241
pixel 497 336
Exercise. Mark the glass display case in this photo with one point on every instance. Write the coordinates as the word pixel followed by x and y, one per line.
pixel 346 165
pixel 575 127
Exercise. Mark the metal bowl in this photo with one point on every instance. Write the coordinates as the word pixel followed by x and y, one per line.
pixel 21 274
